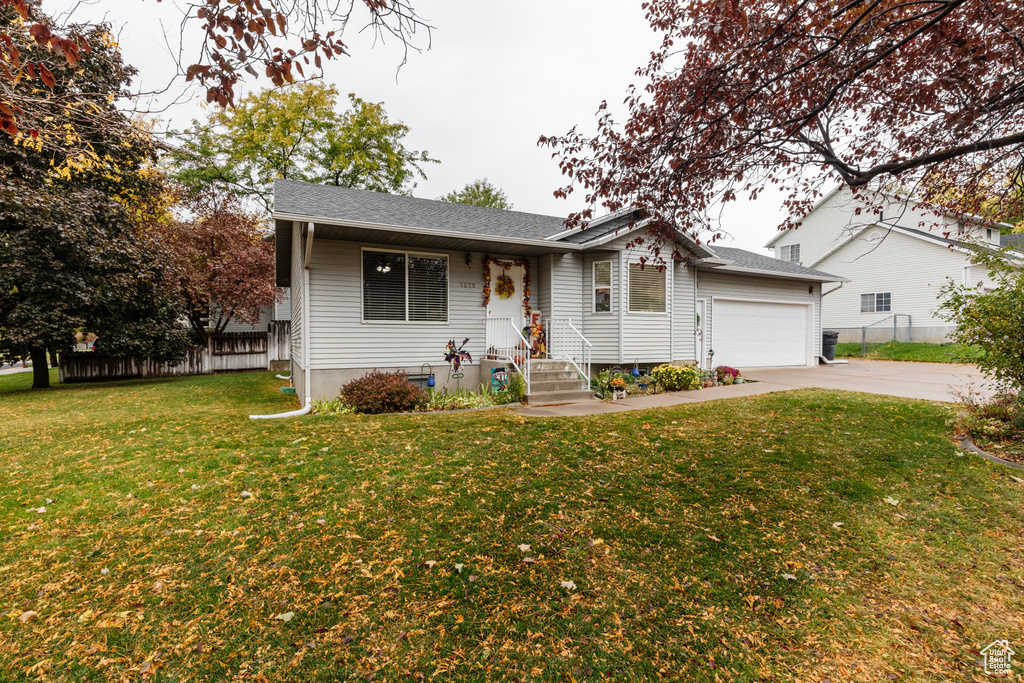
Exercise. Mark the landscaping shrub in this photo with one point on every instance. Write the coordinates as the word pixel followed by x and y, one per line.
pixel 516 388
pixel 383 392
pixel 676 377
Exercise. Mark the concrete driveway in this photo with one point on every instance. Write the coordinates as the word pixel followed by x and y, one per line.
pixel 929 381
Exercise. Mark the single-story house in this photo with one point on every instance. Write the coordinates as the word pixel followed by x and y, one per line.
pixel 896 255
pixel 384 282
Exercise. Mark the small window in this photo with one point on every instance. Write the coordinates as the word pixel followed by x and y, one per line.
pixel 988 234
pixel 646 289
pixel 791 252
pixel 602 286
pixel 405 287
pixel 879 302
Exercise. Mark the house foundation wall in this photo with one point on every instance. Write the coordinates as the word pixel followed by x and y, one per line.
pixel 927 334
pixel 327 383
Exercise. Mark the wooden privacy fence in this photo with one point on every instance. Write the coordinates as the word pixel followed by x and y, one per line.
pixel 227 352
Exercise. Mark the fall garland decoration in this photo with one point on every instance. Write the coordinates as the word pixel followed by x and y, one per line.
pixel 506 265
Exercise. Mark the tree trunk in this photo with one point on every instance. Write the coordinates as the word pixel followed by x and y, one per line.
pixel 40 368
pixel 53 359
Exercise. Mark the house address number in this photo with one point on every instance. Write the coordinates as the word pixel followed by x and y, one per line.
pixel 467 285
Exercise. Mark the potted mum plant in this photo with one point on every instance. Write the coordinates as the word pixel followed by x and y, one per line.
pixel 617 385
pixel 726 374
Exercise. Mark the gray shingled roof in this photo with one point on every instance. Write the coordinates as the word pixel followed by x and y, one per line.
pixel 598 231
pixel 1015 240
pixel 343 204
pixel 741 258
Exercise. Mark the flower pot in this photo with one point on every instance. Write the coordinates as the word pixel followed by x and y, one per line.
pixel 739 380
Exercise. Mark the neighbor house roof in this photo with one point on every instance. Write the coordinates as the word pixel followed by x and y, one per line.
pixel 1014 240
pixel 747 262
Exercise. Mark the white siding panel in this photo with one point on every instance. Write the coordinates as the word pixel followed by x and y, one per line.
pixel 567 289
pixel 601 329
pixel 684 319
pixel 341 340
pixel 298 292
pixel 542 284
pixel 646 337
pixel 913 269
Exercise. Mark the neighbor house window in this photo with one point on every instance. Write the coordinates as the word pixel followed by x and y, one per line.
pixel 602 286
pixel 790 252
pixel 646 289
pixel 401 286
pixel 879 302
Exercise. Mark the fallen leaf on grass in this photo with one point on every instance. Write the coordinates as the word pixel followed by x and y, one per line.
pixel 789 577
pixel 246 494
pixel 569 585
pixel 836 525
pixel 1017 479
pixel 40 510
pixel 713 537
pixel 25 616
pixel 286 617
pixel 459 567
pixel 891 501
pixel 524 548
pixel 529 560
pixel 430 564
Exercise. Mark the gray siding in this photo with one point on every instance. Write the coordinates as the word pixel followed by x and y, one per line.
pixel 542 284
pixel 341 340
pixel 684 319
pixel 298 293
pixel 567 288
pixel 601 329
pixel 711 284
pixel 283 306
pixel 266 315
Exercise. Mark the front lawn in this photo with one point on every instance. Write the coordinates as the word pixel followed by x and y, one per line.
pixel 157 534
pixel 907 351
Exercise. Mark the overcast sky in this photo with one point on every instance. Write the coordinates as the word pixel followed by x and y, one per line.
pixel 497 76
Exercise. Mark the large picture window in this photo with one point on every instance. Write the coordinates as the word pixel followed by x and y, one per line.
pixel 405 287
pixel 602 286
pixel 646 289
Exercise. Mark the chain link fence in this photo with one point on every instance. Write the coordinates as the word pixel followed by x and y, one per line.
pixel 898 327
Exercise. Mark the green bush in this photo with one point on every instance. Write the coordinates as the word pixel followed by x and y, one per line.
pixel 382 392
pixel 676 377
pixel 516 388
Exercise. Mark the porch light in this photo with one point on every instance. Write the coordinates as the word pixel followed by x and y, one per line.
pixel 469 260
pixel 383 269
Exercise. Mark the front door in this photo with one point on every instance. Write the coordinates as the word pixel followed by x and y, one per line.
pixel 507 304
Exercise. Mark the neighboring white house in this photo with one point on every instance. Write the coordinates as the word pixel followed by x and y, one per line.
pixel 896 257
pixel 383 281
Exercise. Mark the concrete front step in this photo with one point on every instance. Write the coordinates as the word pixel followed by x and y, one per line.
pixel 550 366
pixel 559 396
pixel 564 384
pixel 552 375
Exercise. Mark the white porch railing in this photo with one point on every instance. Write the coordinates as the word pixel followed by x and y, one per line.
pixel 506 343
pixel 565 342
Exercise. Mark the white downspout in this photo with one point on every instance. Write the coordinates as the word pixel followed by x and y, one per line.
pixel 308 404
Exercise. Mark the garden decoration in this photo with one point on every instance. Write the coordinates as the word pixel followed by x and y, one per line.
pixel 431 382
pixel 636 367
pixel 503 265
pixel 455 355
pixel 618 387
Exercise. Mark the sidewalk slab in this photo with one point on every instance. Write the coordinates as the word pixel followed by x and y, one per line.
pixel 927 381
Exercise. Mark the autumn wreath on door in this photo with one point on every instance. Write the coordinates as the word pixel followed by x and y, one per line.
pixel 505 285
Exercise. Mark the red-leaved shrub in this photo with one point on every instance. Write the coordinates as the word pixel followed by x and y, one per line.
pixel 383 392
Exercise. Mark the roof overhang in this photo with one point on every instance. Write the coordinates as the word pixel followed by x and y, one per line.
pixel 772 274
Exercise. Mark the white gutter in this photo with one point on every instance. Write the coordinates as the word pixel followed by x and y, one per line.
pixel 776 274
pixel 307 406
pixel 431 232
pixel 836 289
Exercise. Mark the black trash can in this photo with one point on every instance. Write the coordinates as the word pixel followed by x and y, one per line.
pixel 828 344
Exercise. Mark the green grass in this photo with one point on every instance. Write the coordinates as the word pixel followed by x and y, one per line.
pixel 676 526
pixel 907 351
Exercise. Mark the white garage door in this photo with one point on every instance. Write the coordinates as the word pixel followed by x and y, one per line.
pixel 749 334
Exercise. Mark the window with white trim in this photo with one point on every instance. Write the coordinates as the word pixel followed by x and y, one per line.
pixel 646 289
pixel 879 302
pixel 400 286
pixel 602 286
pixel 790 252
